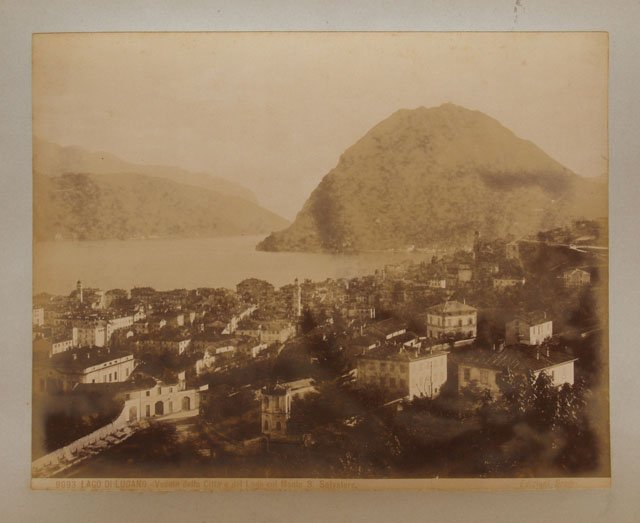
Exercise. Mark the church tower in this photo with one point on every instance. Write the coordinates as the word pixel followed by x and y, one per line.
pixel 297 298
pixel 275 410
pixel 476 245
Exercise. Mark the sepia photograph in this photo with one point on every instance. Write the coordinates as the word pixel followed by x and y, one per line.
pixel 320 261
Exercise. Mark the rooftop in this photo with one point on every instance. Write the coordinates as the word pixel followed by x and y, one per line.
pixel 82 358
pixel 533 317
pixel 518 358
pixel 401 353
pixel 451 307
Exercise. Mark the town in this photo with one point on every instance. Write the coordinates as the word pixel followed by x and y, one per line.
pixel 478 362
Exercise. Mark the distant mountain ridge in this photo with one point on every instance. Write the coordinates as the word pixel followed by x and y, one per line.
pixel 130 205
pixel 54 160
pixel 427 177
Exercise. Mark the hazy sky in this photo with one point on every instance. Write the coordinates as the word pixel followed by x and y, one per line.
pixel 275 111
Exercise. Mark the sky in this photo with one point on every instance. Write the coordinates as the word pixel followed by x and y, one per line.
pixel 274 111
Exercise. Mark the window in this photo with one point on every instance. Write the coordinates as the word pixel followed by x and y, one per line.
pixel 127 371
pixel 115 376
pixel 484 377
pixel 460 322
pixel 148 393
pixel 159 391
pixel 278 425
pixel 104 378
pixel 266 425
pixel 93 380
pixel 148 409
pixel 467 374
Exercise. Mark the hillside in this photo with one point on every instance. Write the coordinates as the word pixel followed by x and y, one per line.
pixel 54 160
pixel 427 177
pixel 130 205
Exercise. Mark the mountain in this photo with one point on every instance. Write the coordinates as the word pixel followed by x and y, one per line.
pixel 54 160
pixel 428 177
pixel 131 205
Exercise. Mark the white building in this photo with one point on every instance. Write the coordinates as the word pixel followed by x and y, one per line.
pixel 529 329
pixel 483 367
pixel 38 316
pixel 452 319
pixel 92 365
pixel 576 278
pixel 403 372
pixel 61 345
pixel 89 334
pixel 276 403
pixel 160 400
pixel 503 282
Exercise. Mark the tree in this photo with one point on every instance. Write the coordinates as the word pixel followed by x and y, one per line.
pixel 307 322
pixel 545 402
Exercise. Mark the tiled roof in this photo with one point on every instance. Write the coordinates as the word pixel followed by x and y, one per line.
pixel 395 352
pixel 451 307
pixel 514 358
pixel 85 357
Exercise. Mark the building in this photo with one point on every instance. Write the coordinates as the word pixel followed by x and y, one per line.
pixel 38 316
pixel 91 333
pixel 235 320
pixel 452 319
pixel 61 372
pixel 576 278
pixel 61 344
pixel 276 331
pixel 512 250
pixel 176 343
pixel 403 372
pixel 504 282
pixel 161 400
pixel 483 367
pixel 437 283
pixel 463 273
pixel 276 403
pixel 528 329
pixel 118 323
pixel 388 329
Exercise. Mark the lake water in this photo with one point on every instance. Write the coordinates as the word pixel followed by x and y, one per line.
pixel 189 263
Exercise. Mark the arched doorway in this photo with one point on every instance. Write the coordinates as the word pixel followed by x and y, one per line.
pixel 133 413
pixel 186 403
pixel 159 408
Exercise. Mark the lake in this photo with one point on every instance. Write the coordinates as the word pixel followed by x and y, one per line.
pixel 189 263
